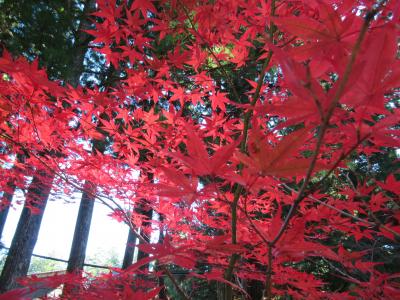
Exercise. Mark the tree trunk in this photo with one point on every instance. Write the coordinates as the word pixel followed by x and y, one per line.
pixel 224 291
pixel 9 191
pixel 255 289
pixel 82 42
pixel 162 295
pixel 143 208
pixel 82 228
pixel 25 237
pixel 129 249
pixel 77 254
pixel 145 226
pixel 5 204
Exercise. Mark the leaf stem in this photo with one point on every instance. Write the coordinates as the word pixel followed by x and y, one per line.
pixel 243 148
pixel 228 78
pixel 324 126
pixel 175 283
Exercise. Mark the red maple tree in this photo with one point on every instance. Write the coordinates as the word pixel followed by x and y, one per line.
pixel 236 116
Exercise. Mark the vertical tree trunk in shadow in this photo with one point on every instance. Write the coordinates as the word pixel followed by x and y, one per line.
pixel 25 237
pixel 129 249
pixel 77 254
pixel 5 204
pixel 224 292
pixel 142 209
pixel 81 234
pixel 8 192
pixel 82 226
pixel 82 42
pixel 255 289
pixel 162 295
pixel 145 228
pixel 145 232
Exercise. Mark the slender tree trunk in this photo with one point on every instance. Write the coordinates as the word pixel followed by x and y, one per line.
pixel 144 228
pixel 81 235
pixel 255 289
pixel 129 249
pixel 5 204
pixel 162 295
pixel 224 292
pixel 9 191
pixel 25 237
pixel 82 42
pixel 82 227
pixel 143 208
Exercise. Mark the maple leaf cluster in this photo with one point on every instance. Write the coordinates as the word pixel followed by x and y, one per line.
pixel 237 133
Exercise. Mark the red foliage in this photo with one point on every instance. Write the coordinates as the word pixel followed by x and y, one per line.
pixel 333 71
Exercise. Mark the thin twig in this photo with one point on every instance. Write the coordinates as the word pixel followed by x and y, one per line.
pixel 128 221
pixel 228 77
pixel 243 148
pixel 331 207
pixel 324 126
pixel 61 260
pixel 176 285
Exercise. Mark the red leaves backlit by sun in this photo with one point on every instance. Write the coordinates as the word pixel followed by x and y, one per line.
pixel 231 134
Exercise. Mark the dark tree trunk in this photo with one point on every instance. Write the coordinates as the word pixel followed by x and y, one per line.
pixel 25 237
pixel 82 42
pixel 129 249
pixel 5 204
pixel 144 209
pixel 162 295
pixel 145 227
pixel 255 289
pixel 224 291
pixel 82 228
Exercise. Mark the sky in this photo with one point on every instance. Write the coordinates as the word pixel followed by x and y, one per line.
pixel 56 232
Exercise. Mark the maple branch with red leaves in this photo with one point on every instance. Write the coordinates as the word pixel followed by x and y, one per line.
pixel 236 184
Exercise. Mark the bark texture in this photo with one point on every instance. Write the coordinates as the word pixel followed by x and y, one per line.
pixel 81 235
pixel 129 249
pixel 5 204
pixel 25 237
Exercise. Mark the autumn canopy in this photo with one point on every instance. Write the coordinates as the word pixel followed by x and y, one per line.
pixel 261 135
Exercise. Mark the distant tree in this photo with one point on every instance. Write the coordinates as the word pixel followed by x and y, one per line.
pixel 41 265
pixel 107 258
